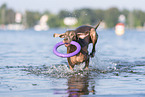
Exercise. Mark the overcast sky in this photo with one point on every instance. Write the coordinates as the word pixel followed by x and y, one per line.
pixel 57 5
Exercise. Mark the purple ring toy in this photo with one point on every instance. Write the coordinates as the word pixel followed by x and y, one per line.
pixel 67 55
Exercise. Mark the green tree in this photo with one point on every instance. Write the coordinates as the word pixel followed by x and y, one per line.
pixel 32 18
pixel 54 21
pixel 86 16
pixel 111 17
pixel 139 19
pixel 99 14
pixel 62 14
pixel 10 16
pixel 3 13
pixel 7 15
pixel 130 20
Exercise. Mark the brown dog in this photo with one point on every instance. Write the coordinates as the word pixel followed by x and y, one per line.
pixel 83 35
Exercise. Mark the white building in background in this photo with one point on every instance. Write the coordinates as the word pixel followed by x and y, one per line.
pixel 122 18
pixel 17 25
pixel 18 17
pixel 69 21
pixel 42 26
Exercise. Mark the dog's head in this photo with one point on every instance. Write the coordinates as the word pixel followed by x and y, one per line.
pixel 70 35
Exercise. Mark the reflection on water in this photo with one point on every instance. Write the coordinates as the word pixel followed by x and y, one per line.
pixel 79 85
pixel 28 67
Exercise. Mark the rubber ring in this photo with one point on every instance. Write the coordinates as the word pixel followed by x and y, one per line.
pixel 66 55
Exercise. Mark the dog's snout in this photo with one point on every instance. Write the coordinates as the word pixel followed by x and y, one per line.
pixel 66 39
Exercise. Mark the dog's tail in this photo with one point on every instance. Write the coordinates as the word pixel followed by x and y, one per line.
pixel 98 24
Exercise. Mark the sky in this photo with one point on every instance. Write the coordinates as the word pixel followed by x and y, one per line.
pixel 55 6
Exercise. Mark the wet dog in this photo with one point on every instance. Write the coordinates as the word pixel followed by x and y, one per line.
pixel 84 35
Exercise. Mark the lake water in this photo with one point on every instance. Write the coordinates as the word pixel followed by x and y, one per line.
pixel 28 67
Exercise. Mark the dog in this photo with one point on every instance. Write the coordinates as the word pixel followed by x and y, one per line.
pixel 84 35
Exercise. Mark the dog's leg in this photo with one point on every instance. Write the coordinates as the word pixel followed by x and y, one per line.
pixel 94 38
pixel 70 64
pixel 87 64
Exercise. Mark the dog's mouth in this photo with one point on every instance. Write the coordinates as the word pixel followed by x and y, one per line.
pixel 67 44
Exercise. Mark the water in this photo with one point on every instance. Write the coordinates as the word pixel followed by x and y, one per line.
pixel 28 67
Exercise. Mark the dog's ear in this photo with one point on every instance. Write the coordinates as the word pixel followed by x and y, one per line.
pixel 82 35
pixel 58 35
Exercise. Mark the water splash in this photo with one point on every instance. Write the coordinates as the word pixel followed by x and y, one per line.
pixel 57 70
pixel 63 71
pixel 98 65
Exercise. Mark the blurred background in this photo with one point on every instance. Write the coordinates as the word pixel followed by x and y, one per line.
pixel 45 14
pixel 29 68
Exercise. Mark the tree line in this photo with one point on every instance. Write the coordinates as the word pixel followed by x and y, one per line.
pixel 135 18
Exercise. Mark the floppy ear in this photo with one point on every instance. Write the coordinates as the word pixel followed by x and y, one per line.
pixel 82 35
pixel 58 35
